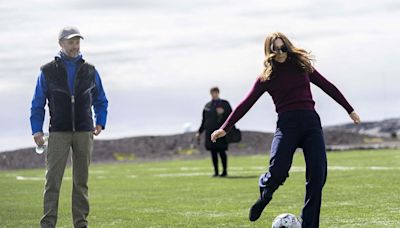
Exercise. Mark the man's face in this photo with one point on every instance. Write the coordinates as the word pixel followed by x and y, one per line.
pixel 214 95
pixel 71 46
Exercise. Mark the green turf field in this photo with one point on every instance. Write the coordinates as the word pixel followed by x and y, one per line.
pixel 363 190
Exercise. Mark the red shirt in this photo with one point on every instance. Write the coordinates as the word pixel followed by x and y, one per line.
pixel 289 89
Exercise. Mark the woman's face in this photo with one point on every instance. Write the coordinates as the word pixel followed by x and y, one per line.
pixel 278 46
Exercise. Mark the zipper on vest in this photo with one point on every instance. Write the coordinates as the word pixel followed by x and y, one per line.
pixel 72 91
pixel 73 112
pixel 73 96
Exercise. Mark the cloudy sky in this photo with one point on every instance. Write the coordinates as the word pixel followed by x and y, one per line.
pixel 158 59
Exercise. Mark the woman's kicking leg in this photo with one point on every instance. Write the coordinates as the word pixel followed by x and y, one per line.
pixel 283 147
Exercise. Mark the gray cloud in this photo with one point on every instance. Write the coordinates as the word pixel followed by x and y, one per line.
pixel 158 59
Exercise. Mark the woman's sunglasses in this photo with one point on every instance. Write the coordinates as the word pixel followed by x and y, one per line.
pixel 280 50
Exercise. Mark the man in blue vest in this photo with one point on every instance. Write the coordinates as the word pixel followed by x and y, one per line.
pixel 71 87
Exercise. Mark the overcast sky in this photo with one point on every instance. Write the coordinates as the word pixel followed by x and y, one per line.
pixel 158 59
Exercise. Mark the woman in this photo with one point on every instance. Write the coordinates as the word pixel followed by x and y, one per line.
pixel 215 113
pixel 286 77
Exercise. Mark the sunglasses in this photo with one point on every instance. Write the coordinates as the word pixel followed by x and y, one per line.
pixel 280 50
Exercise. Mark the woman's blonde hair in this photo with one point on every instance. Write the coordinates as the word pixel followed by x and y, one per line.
pixel 301 57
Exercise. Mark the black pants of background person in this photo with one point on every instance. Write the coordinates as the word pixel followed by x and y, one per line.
pixel 224 160
pixel 301 129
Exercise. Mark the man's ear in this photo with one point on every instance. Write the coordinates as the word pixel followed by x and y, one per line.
pixel 60 43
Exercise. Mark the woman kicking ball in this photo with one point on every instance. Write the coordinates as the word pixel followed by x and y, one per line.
pixel 286 77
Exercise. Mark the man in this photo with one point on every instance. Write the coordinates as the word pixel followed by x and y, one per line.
pixel 71 87
pixel 215 113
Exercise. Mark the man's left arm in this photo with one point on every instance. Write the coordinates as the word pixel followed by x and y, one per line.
pixel 100 105
pixel 227 110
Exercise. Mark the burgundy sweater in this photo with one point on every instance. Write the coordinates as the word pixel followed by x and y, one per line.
pixel 289 89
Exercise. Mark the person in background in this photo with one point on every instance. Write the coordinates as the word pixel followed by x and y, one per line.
pixel 215 113
pixel 71 87
pixel 286 77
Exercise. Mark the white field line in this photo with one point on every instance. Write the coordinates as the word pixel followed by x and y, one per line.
pixel 30 178
pixel 242 170
pixel 183 174
pixel 36 178
pixel 293 169
pixel 22 178
pixel 157 169
pixel 235 171
pixel 97 171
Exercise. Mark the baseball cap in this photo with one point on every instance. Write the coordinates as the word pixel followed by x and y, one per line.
pixel 69 32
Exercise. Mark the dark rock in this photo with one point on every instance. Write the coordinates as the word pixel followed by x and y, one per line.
pixel 184 146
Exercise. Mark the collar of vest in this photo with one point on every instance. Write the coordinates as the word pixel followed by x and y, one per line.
pixel 58 59
pixel 58 62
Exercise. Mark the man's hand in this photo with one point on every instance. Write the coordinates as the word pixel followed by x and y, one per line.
pixel 38 137
pixel 97 130
pixel 217 134
pixel 354 116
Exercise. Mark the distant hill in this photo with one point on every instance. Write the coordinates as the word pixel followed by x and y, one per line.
pixel 385 128
pixel 369 135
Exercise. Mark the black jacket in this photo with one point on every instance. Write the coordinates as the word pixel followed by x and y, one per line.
pixel 212 121
pixel 70 112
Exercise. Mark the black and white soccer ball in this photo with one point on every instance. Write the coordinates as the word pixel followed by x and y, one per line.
pixel 286 221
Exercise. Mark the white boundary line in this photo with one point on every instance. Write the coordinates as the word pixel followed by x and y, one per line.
pixel 236 171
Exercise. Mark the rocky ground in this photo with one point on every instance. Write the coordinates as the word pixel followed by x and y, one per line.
pixel 184 146
pixel 386 128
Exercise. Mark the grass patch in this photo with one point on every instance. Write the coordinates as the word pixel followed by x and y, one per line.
pixel 362 191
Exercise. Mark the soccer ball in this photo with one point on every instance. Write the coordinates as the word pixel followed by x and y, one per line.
pixel 286 221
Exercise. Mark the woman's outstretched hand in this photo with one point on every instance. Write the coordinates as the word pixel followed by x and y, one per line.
pixel 354 116
pixel 217 134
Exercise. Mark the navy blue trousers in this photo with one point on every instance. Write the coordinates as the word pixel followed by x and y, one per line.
pixel 299 129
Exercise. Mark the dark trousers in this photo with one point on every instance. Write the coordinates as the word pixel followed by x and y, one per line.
pixel 224 160
pixel 299 129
